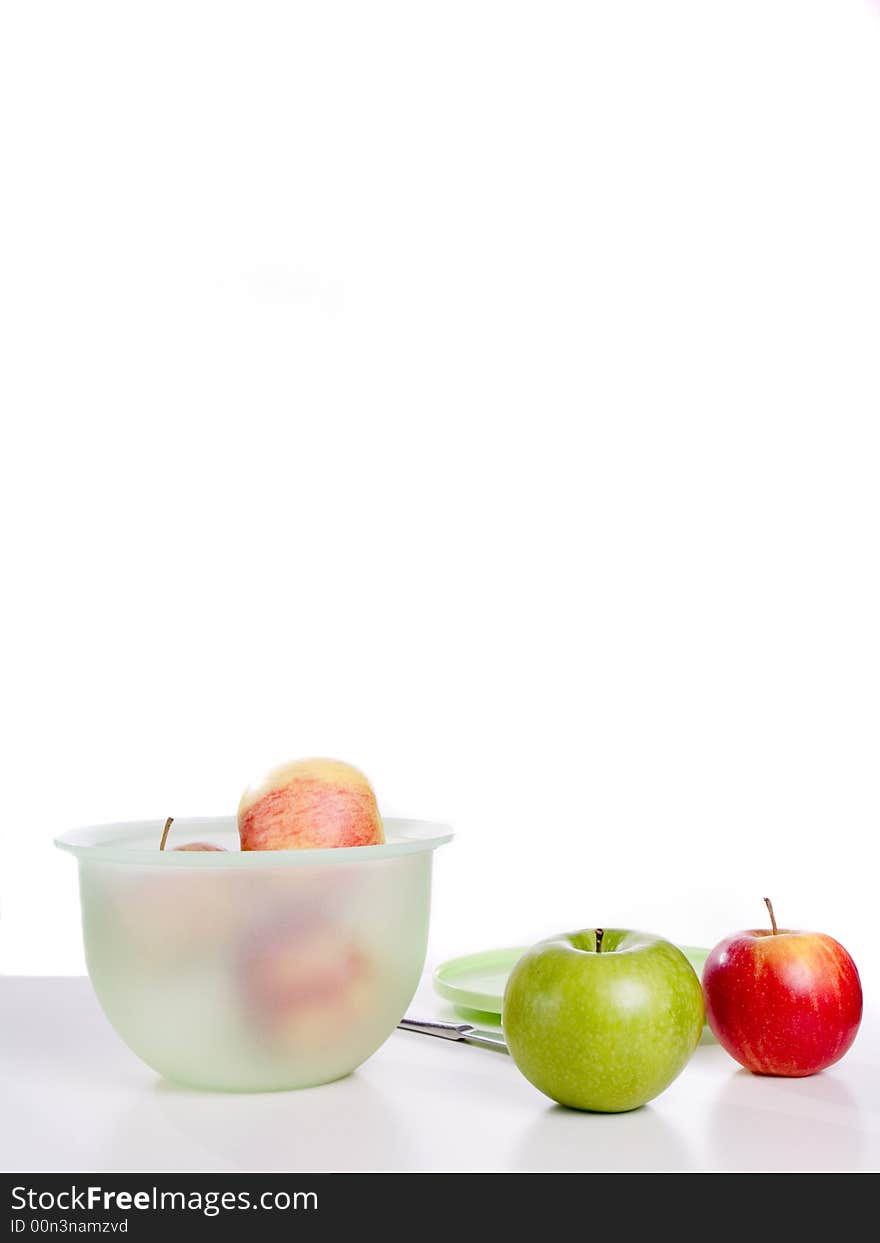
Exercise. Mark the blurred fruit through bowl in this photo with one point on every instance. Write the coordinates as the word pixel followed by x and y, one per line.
pixel 253 970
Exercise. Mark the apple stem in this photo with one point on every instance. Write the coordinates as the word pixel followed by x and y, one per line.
pixel 600 933
pixel 168 824
pixel 769 906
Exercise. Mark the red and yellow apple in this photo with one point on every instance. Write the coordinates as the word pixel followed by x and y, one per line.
pixel 310 804
pixel 306 980
pixel 782 1002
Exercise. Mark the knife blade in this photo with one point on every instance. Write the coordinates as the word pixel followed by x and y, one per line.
pixel 455 1031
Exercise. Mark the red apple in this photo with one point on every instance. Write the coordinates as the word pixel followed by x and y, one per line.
pixel 782 1002
pixel 188 845
pixel 306 980
pixel 309 804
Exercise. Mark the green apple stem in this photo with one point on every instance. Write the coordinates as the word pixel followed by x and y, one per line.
pixel 769 906
pixel 600 933
pixel 168 824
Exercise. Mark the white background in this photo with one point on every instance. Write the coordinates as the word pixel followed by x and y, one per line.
pixel 485 393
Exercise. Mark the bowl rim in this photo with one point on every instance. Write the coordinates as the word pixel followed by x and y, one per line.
pixel 106 843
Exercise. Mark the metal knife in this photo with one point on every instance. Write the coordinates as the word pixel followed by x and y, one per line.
pixel 455 1031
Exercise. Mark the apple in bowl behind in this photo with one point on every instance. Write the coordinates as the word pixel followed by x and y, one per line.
pixel 309 804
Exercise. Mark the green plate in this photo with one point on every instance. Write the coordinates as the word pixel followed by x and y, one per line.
pixel 477 981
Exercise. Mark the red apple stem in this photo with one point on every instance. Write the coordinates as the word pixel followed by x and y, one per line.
pixel 769 906
pixel 168 824
pixel 600 933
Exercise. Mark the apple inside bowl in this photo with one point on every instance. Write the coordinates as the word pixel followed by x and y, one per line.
pixel 259 970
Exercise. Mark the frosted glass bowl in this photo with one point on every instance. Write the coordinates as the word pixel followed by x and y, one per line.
pixel 259 970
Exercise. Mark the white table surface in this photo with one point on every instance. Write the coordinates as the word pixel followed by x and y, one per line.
pixel 73 1098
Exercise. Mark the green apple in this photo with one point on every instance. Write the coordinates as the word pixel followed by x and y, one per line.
pixel 602 1020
